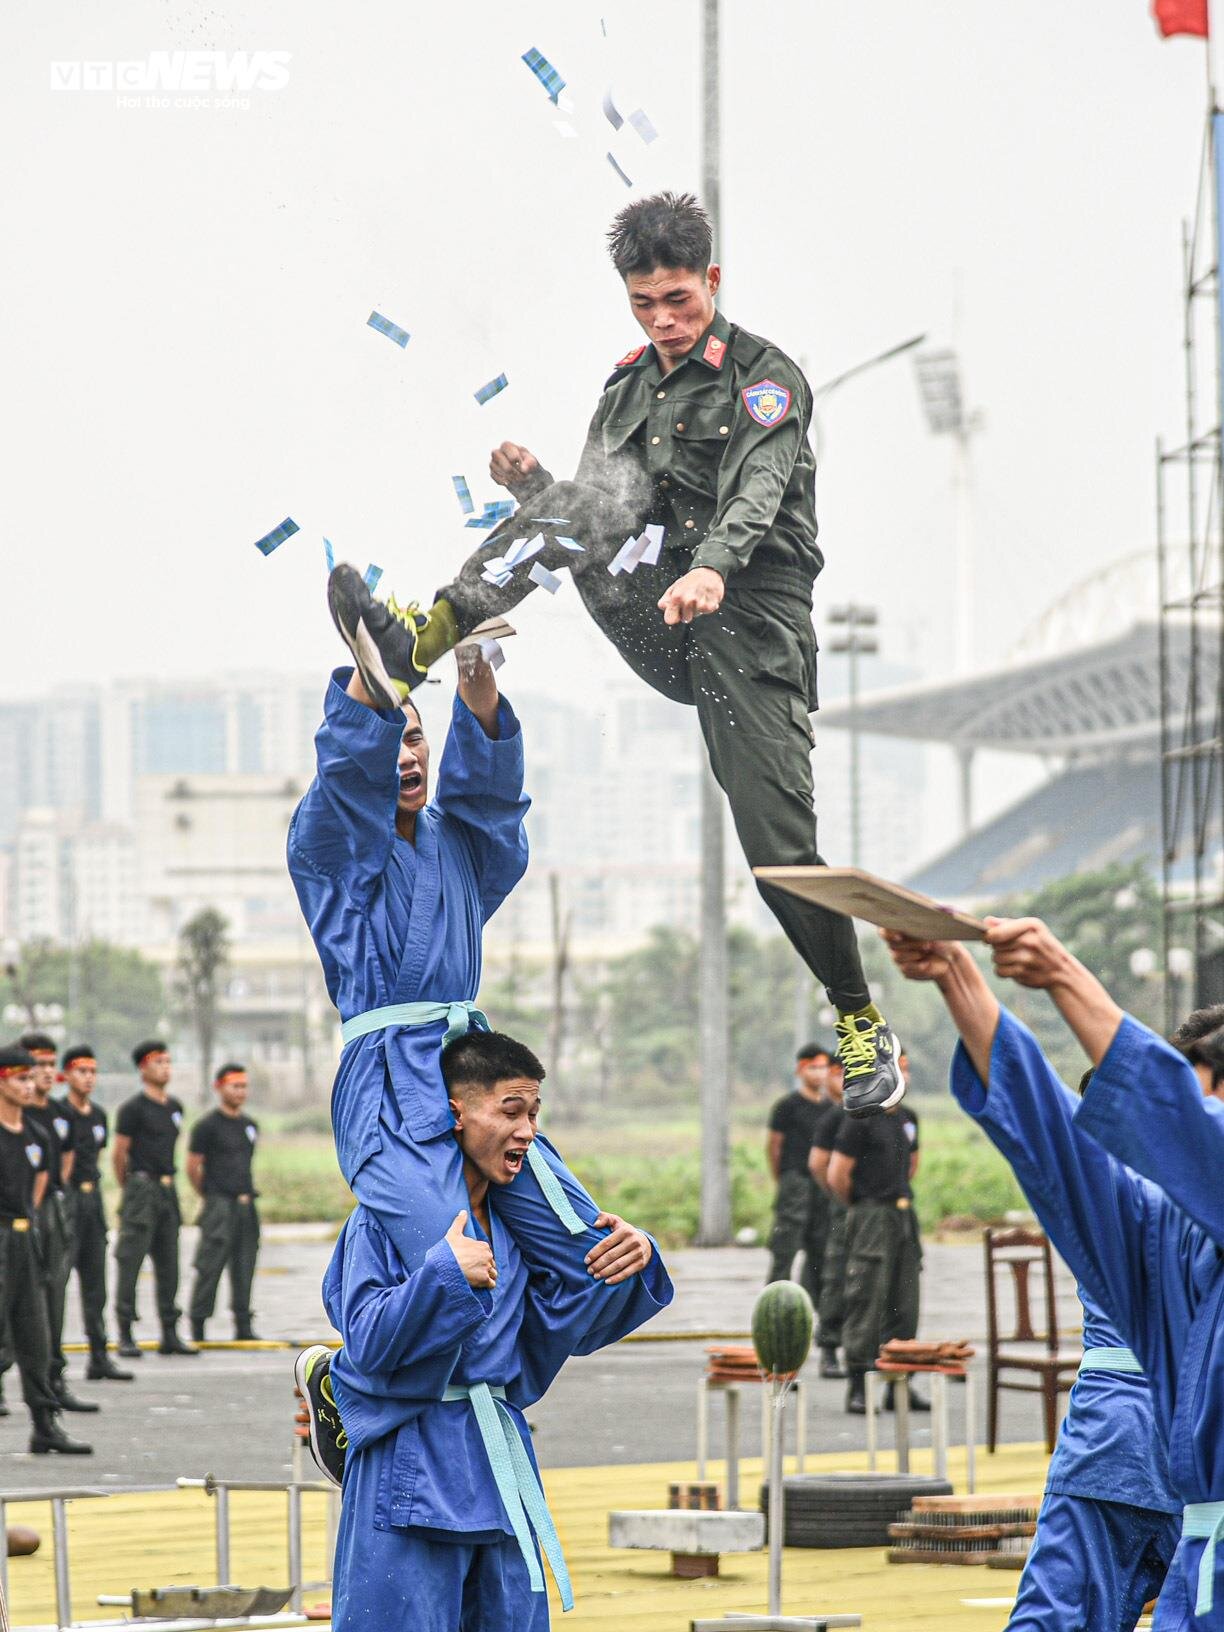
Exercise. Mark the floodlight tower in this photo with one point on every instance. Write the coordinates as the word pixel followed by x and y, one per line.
pixel 943 401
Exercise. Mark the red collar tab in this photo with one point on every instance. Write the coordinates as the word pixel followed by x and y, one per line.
pixel 715 352
pixel 630 357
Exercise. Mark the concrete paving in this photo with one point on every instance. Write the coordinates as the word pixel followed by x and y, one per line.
pixel 230 1411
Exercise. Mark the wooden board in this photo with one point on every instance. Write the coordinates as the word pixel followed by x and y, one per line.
pixel 857 894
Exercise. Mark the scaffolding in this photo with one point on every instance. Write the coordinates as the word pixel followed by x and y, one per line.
pixel 1190 555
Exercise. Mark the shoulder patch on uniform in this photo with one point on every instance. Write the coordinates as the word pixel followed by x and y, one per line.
pixel 715 352
pixel 768 403
pixel 630 357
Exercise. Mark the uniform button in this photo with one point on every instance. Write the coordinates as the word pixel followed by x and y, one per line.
pixel 665 482
pixel 724 430
pixel 654 441
pixel 660 395
pixel 690 523
pixel 680 425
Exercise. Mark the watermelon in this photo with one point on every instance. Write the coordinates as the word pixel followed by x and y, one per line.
pixel 782 1322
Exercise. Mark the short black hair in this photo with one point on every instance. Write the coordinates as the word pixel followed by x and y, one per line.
pixel 228 1069
pixel 151 1045
pixel 482 1059
pixel 1208 1050
pixel 78 1051
pixel 38 1040
pixel 14 1057
pixel 1196 1026
pixel 667 229
pixel 813 1051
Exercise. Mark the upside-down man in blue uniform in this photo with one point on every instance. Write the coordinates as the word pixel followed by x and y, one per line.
pixel 443 1517
pixel 1156 1275
pixel 396 889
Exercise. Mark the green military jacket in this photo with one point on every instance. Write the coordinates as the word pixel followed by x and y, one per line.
pixel 724 440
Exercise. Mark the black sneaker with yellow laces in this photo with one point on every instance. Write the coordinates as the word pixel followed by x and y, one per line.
pixel 392 646
pixel 868 1052
pixel 328 1440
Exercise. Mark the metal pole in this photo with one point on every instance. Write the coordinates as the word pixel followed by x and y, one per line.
pixel 776 1499
pixel 295 1548
pixel 223 1536
pixel 715 1221
pixel 4 1550
pixel 964 552
pixel 63 1591
pixel 733 1444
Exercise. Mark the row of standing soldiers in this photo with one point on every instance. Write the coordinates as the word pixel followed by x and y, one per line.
pixel 844 1200
pixel 53 1216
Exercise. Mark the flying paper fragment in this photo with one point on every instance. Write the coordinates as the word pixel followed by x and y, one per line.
pixel 329 555
pixel 497 566
pixel 645 547
pixel 385 326
pixel 565 129
pixel 544 71
pixel 501 579
pixel 540 574
pixel 488 392
pixel 492 653
pixel 643 126
pixel 571 544
pixel 371 576
pixel 464 494
pixel 619 171
pixel 523 549
pixel 551 521
pixel 610 110
pixel 273 540
pixel 654 537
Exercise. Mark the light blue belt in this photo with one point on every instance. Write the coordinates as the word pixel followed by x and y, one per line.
pixel 518 1485
pixel 1205 1520
pixel 459 1017
pixel 1111 1360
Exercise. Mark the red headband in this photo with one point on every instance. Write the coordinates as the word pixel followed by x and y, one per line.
pixel 231 1076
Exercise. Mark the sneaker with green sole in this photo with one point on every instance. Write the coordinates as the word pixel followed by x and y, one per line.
pixel 328 1440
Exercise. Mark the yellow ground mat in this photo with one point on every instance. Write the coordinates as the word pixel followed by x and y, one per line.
pixel 167 1537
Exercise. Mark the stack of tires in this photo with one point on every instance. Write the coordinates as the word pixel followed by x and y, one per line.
pixel 847 1509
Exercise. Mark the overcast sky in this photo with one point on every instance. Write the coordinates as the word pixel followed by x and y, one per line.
pixel 186 291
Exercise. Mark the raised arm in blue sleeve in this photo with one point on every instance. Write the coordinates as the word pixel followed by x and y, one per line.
pixel 1098 1215
pixel 1145 1105
pixel 480 785
pixel 560 1321
pixel 345 824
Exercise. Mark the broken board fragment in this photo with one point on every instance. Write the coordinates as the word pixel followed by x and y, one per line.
pixel 857 894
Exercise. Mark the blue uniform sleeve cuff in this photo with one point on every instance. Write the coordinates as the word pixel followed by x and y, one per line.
pixel 508 729
pixel 1113 1093
pixel 466 1299
pixel 341 709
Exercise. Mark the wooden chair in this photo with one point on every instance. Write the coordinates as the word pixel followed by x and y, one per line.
pixel 1043 1367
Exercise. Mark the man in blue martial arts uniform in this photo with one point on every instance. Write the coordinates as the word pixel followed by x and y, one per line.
pixel 443 1517
pixel 396 889
pixel 1157 1277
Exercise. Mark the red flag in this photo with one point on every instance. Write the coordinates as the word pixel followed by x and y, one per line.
pixel 1181 17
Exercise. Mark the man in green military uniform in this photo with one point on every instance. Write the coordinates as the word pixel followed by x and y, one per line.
pixel 219 1158
pixel 146 1133
pixel 699 451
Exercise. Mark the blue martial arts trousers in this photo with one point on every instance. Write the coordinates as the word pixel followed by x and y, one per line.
pixel 1093 1566
pixel 408 1581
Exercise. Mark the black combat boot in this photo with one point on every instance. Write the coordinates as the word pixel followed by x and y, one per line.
pixel 856 1394
pixel 47 1436
pixel 172 1343
pixel 102 1369
pixel 829 1366
pixel 128 1346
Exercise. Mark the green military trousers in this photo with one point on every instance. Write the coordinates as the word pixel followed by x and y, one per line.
pixel 229 1239
pixel 149 1223
pixel 883 1261
pixel 801 1224
pixel 749 669
pixel 58 1248
pixel 832 1309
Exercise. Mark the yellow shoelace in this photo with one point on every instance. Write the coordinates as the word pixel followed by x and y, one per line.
pixel 855 1048
pixel 407 615
pixel 325 1388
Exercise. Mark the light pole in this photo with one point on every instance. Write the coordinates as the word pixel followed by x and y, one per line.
pixel 855 643
pixel 714 1224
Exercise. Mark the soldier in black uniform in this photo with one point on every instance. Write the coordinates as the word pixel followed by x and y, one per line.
pixel 52 1215
pixel 832 1307
pixel 23 1297
pixel 146 1133
pixel 87 1214
pixel 219 1167
pixel 801 1207
pixel 703 432
pixel 871 1168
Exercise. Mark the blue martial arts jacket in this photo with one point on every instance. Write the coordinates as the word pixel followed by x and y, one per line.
pixel 395 922
pixel 1159 1277
pixel 1109 1447
pixel 400 1334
